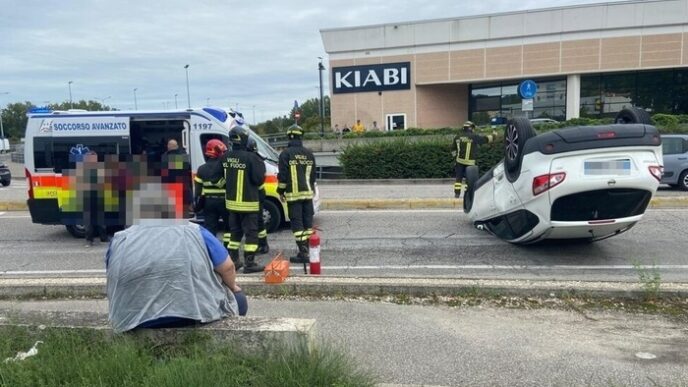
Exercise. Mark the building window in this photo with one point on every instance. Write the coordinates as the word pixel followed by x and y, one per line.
pixel 663 91
pixel 501 101
pixel 395 122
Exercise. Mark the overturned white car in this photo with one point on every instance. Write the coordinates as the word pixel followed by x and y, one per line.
pixel 584 182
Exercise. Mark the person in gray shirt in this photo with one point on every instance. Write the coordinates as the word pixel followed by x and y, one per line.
pixel 168 272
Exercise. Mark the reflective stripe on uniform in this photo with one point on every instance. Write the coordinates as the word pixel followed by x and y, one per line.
pixel 308 178
pixel 234 245
pixel 292 197
pixel 263 233
pixel 250 248
pixel 242 206
pixel 294 179
pixel 240 186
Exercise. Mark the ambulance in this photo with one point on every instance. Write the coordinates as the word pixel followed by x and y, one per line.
pixel 54 138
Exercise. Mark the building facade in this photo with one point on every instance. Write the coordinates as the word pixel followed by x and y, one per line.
pixel 589 60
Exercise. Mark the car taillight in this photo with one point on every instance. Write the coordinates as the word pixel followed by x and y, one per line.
pixel 545 182
pixel 656 171
pixel 30 184
pixel 606 135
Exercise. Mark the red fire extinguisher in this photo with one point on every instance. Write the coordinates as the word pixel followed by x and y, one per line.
pixel 314 253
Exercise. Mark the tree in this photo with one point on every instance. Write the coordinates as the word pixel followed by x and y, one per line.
pixel 14 115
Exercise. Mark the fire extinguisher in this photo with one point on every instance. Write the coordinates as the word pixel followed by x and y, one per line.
pixel 314 253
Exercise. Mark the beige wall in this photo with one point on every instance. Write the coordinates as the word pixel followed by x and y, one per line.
pixel 447 105
pixel 441 106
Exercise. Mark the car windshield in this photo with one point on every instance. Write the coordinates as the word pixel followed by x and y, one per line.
pixel 264 149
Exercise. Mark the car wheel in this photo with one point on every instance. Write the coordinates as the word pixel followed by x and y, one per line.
pixel 5 183
pixel 516 134
pixel 683 181
pixel 77 230
pixel 471 180
pixel 633 115
pixel 271 216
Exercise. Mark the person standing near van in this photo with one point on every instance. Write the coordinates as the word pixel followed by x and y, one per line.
pixel 244 175
pixel 92 179
pixel 210 186
pixel 296 184
pixel 263 247
pixel 465 151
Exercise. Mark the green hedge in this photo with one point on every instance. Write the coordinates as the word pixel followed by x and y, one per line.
pixel 401 159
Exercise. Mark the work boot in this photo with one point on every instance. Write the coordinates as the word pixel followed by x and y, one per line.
pixel 263 247
pixel 251 265
pixel 457 195
pixel 302 256
pixel 234 255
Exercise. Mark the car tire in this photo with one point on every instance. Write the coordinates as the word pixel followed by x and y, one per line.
pixel 272 216
pixel 5 183
pixel 683 181
pixel 471 180
pixel 632 115
pixel 517 132
pixel 77 231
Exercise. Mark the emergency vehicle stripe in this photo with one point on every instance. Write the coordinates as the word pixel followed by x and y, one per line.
pixel 308 177
pixel 271 179
pixel 294 179
pixel 240 186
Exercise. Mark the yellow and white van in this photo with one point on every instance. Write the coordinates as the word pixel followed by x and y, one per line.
pixel 52 136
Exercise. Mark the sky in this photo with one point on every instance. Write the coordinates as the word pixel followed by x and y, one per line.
pixel 258 55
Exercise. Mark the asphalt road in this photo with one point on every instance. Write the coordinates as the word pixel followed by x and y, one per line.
pixel 400 243
pixel 481 346
pixel 16 192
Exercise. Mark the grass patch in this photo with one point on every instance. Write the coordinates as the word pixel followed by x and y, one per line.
pixel 89 358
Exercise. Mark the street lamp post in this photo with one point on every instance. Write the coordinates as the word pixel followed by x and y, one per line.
pixel 322 102
pixel 69 84
pixel 136 105
pixel 175 102
pixel 188 94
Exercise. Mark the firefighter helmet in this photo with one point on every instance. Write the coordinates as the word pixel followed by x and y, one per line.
pixel 238 136
pixel 215 148
pixel 468 125
pixel 294 131
pixel 251 145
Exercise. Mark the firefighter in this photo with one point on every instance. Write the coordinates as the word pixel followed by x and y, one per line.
pixel 466 149
pixel 296 184
pixel 210 186
pixel 263 247
pixel 244 175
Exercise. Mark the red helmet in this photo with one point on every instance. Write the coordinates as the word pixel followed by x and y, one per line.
pixel 215 148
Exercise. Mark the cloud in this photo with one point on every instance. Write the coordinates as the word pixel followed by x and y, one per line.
pixel 261 54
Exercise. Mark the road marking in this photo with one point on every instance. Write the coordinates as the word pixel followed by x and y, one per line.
pixel 396 267
pixel 14 216
pixel 2 213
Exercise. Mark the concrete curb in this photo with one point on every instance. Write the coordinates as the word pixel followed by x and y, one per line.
pixel 358 182
pixel 337 286
pixel 379 204
pixel 249 334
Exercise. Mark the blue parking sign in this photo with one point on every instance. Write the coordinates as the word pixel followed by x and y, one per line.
pixel 527 89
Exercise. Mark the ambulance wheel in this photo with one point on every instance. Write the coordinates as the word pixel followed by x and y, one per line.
pixel 77 230
pixel 517 132
pixel 272 216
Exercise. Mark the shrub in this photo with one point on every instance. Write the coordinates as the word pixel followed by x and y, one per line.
pixel 401 159
pixel 666 121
